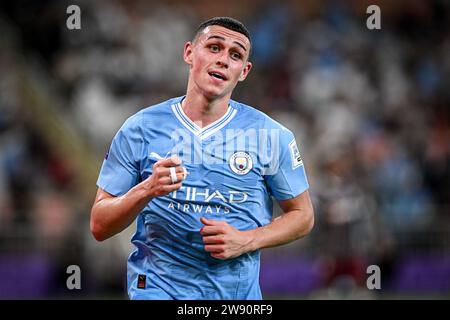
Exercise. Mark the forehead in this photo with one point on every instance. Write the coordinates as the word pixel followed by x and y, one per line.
pixel 223 32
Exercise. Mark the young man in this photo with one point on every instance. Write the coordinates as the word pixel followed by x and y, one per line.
pixel 204 212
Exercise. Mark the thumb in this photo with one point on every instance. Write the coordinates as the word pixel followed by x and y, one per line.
pixel 206 222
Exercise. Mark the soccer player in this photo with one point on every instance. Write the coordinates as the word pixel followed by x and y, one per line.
pixel 198 173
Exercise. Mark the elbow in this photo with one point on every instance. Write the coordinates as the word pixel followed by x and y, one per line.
pixel 96 229
pixel 308 224
pixel 97 232
pixel 311 221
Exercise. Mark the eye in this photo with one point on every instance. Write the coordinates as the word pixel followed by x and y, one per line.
pixel 236 56
pixel 214 48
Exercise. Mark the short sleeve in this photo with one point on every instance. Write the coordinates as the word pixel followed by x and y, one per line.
pixel 287 178
pixel 120 170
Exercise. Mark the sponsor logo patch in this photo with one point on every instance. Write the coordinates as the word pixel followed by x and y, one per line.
pixel 296 158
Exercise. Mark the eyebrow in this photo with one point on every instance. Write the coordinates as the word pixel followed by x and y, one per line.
pixel 222 38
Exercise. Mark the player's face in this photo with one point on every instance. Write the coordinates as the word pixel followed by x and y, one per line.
pixel 218 60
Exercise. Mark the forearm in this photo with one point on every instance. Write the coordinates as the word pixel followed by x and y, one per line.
pixel 224 241
pixel 290 226
pixel 110 216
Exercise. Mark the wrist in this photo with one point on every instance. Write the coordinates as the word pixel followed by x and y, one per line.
pixel 252 244
pixel 143 193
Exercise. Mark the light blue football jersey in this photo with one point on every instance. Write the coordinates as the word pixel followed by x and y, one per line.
pixel 236 165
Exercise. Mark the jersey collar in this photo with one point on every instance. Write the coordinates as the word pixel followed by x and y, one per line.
pixel 210 129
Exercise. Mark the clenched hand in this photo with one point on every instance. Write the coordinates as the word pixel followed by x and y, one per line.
pixel 224 241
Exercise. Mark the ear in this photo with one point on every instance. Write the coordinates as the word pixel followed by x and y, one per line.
pixel 188 51
pixel 245 71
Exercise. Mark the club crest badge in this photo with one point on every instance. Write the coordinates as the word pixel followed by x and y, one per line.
pixel 241 162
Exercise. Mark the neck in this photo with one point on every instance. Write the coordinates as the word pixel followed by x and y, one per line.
pixel 204 111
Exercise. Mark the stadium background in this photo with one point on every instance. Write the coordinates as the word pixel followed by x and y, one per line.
pixel 370 109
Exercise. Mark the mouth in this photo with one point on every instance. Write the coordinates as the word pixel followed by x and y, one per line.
pixel 218 75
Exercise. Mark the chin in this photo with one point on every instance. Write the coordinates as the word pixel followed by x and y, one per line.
pixel 214 94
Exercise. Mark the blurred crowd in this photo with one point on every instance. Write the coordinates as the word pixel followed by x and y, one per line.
pixel 370 110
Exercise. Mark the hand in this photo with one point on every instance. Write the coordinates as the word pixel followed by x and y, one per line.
pixel 159 183
pixel 224 241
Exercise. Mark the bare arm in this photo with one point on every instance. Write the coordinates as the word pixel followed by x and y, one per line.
pixel 296 222
pixel 110 215
pixel 224 241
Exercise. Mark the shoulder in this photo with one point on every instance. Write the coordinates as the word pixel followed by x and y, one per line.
pixel 161 109
pixel 258 118
pixel 150 114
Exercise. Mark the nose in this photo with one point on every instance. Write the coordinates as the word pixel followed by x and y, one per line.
pixel 222 60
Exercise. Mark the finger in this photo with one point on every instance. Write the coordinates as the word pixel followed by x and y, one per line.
pixel 173 175
pixel 213 240
pixel 218 255
pixel 171 187
pixel 165 171
pixel 168 180
pixel 212 230
pixel 168 162
pixel 208 222
pixel 215 248
pixel 185 172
